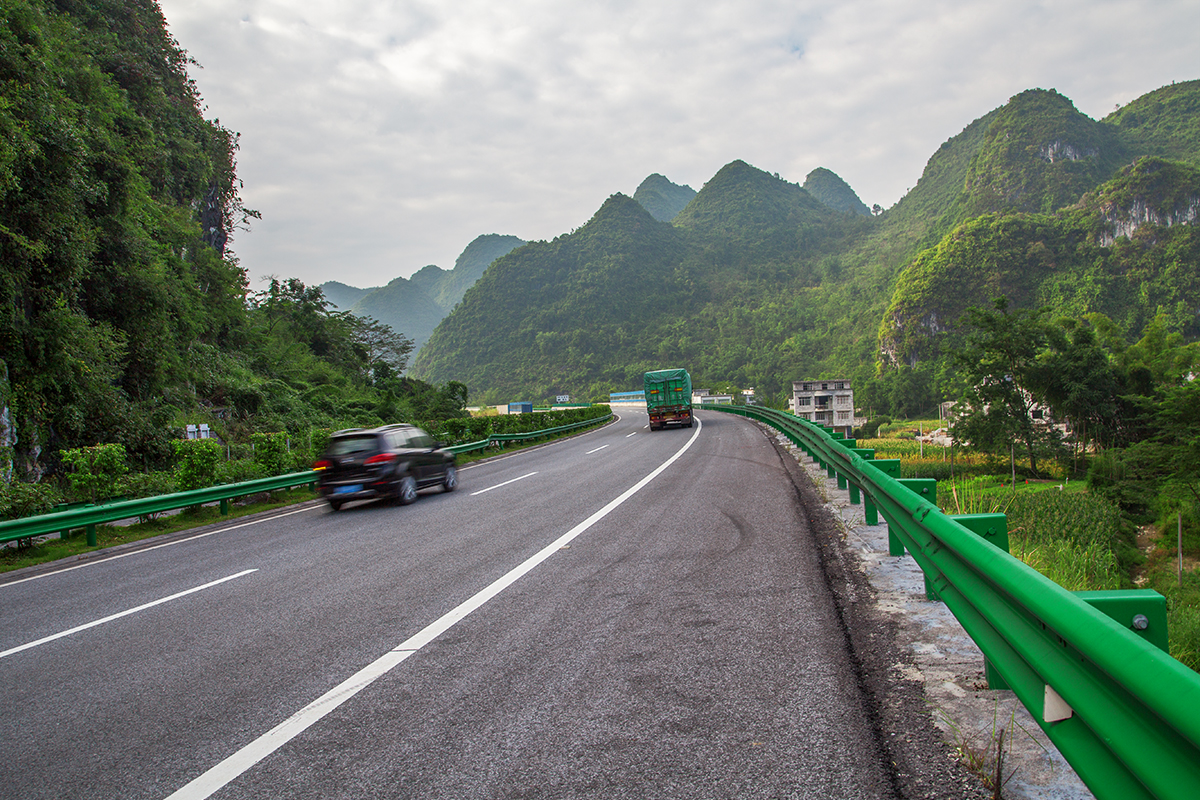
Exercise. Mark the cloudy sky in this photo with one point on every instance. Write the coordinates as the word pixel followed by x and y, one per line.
pixel 378 136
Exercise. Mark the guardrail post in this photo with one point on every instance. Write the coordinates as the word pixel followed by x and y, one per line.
pixel 867 454
pixel 842 479
pixel 91 535
pixel 927 489
pixel 224 506
pixel 891 468
pixel 991 528
pixel 1143 611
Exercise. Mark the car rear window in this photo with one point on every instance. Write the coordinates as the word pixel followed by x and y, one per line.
pixel 347 445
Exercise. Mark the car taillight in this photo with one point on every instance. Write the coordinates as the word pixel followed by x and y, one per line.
pixel 322 464
pixel 382 458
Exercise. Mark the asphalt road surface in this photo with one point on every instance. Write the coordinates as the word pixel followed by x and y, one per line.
pixel 623 614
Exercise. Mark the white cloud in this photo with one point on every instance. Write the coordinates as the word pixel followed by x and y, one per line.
pixel 382 136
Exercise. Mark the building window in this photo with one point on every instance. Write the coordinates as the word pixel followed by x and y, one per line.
pixel 843 416
pixel 804 401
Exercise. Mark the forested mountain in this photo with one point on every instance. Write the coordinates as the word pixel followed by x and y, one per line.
pixel 758 281
pixel 415 305
pixel 342 297
pixel 830 189
pixel 662 198
pixel 116 202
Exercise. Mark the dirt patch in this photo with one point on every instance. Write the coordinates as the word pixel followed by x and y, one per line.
pixel 1147 541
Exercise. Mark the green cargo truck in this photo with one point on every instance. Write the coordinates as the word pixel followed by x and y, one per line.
pixel 669 398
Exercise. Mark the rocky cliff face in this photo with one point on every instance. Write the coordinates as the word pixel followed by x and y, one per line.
pixel 1126 221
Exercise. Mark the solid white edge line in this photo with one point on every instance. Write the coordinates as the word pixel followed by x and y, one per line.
pixel 506 483
pixel 107 559
pixel 151 604
pixel 213 780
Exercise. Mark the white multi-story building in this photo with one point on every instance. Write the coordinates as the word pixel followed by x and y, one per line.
pixel 827 401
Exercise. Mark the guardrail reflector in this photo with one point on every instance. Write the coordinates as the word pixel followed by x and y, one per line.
pixel 1055 709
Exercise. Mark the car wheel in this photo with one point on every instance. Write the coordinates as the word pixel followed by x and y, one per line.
pixel 335 505
pixel 450 479
pixel 406 492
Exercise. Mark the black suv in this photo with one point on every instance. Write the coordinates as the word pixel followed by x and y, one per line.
pixel 392 461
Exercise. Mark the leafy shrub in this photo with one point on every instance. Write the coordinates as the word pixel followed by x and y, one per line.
pixel 95 470
pixel 456 431
pixel 196 463
pixel 271 452
pixel 239 471
pixel 147 484
pixel 19 500
pixel 319 438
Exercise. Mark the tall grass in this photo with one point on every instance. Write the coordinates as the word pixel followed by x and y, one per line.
pixel 1183 612
pixel 1070 537
pixel 1076 539
pixel 929 461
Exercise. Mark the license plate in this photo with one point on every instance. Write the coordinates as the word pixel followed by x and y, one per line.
pixel 348 489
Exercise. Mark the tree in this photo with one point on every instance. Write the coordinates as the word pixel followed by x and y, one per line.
pixel 379 343
pixel 1076 379
pixel 997 360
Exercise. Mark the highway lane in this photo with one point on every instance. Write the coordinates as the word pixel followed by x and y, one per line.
pixel 684 645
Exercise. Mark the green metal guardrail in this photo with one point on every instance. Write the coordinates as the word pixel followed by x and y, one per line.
pixel 517 437
pixel 1123 712
pixel 90 516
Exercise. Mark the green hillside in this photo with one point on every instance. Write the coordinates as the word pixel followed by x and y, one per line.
pixel 663 199
pixel 594 309
pixel 1165 122
pixel 574 308
pixel 768 283
pixel 415 305
pixel 446 287
pixel 830 189
pixel 116 202
pixel 341 297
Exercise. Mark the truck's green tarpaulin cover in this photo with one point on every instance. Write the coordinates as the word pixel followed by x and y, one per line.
pixel 661 384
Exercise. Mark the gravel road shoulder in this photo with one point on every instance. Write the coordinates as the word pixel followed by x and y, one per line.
pixel 920 669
